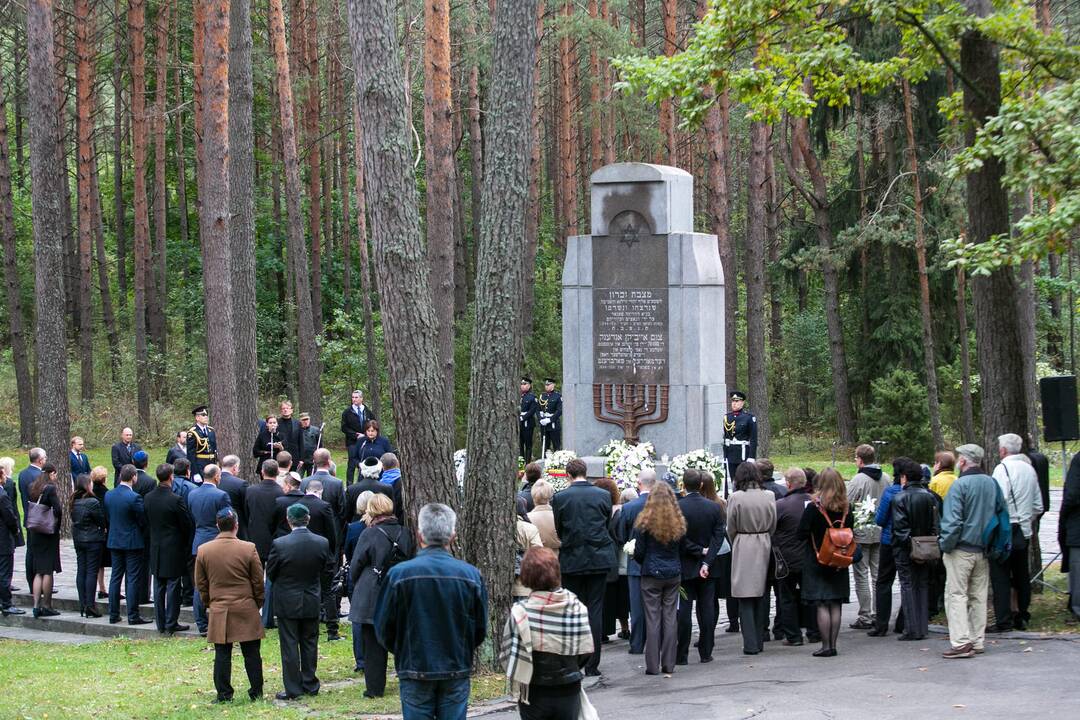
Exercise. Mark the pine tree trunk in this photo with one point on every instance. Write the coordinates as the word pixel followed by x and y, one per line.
pixel 666 154
pixel 997 324
pixel 439 171
pixel 242 224
pixel 967 412
pixel 108 316
pixel 929 363
pixel 308 370
pixel 772 240
pixel 497 340
pixel 476 138
pixel 159 260
pixel 536 169
pixel 306 25
pixel 756 232
pixel 47 198
pixel 71 241
pixel 366 290
pixel 84 124
pixel 596 109
pixel 568 141
pixel 609 124
pixel 417 382
pixel 136 36
pixel 24 381
pixel 719 209
pixel 119 213
pixel 181 188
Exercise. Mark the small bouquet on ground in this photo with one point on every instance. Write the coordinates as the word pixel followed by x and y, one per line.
pixel 864 513
pixel 625 461
pixel 699 460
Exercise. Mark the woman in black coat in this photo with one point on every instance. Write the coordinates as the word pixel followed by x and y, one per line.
pixel 99 476
pixel 88 532
pixel 371 443
pixel 44 548
pixel 382 544
pixel 915 513
pixel 826 587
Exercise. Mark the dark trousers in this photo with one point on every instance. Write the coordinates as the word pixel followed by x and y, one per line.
pixel 127 566
pixel 660 596
pixel 551 440
pixel 299 640
pixel 1011 574
pixel 166 603
pixel 223 668
pixel 793 615
pixel 358 645
pixel 547 702
pixel 350 474
pixel 732 605
pixel 331 602
pixel 914 593
pixel 700 592
pixel 88 559
pixel 886 574
pixel 187 583
pixel 430 699
pixel 637 616
pixel 525 441
pixel 753 614
pixel 268 607
pixel 374 662
pixel 7 567
pixel 589 588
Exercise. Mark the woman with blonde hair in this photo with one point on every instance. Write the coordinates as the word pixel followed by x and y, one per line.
pixel 824 586
pixel 99 476
pixel 542 516
pixel 383 543
pixel 659 533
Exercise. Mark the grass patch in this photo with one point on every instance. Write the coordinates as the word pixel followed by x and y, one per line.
pixel 174 678
pixel 1049 609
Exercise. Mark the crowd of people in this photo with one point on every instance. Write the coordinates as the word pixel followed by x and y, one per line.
pixel 592 561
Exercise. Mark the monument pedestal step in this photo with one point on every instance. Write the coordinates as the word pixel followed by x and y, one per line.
pixel 72 623
pixel 65 603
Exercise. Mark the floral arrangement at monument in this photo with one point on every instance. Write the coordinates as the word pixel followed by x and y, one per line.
pixel 555 468
pixel 699 460
pixel 625 461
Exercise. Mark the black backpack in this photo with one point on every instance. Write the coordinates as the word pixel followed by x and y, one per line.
pixel 397 554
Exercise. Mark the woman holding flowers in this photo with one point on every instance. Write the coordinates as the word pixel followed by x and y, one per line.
pixel 659 532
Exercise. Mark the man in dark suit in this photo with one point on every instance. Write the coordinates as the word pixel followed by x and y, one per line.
pixel 171 529
pixel 123 453
pixel 704 538
pixel 261 507
pixel 289 429
pixel 300 565
pixel 624 529
pixel 205 502
pixel 11 537
pixel 292 494
pixel 182 486
pixel 322 522
pixel 357 488
pixel 179 450
pixel 582 512
pixel 333 490
pixel 126 519
pixel 236 488
pixel 353 419
pixel 144 484
pixel 80 464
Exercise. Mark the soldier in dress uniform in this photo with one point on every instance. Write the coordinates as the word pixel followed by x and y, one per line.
pixel 550 404
pixel 740 436
pixel 201 443
pixel 527 414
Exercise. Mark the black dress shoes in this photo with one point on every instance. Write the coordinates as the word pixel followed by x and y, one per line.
pixel 178 628
pixel 102 595
pixel 878 632
pixel 139 621
pixel 284 696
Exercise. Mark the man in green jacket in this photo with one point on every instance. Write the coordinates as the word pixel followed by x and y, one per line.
pixel 973 501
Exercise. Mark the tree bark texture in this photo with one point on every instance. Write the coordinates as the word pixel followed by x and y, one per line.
pixel 536 169
pixel 137 38
pixel 497 340
pixel 370 348
pixel 439 171
pixel 309 385
pixel 156 299
pixel 305 25
pixel 596 153
pixel 218 274
pixel 666 154
pixel 47 198
pixel 119 213
pixel 242 224
pixel 476 137
pixel 108 316
pixel 24 381
pixel 997 324
pixel 929 362
pixel 418 390
pixel 85 149
pixel 568 139
pixel 756 212
pixel 967 412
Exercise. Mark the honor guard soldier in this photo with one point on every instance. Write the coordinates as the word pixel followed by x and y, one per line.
pixel 527 414
pixel 740 436
pixel 201 443
pixel 550 404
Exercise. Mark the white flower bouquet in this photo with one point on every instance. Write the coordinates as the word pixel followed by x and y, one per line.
pixel 699 460
pixel 629 546
pixel 864 513
pixel 459 466
pixel 625 461
pixel 557 459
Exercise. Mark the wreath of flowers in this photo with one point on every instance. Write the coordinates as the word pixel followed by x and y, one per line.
pixel 699 460
pixel 625 461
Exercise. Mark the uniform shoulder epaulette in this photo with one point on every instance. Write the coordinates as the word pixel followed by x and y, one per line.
pixel 192 428
pixel 209 427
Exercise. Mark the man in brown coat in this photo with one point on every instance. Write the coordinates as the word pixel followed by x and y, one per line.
pixel 229 577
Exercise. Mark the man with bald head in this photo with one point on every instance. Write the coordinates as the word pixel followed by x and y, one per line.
pixel 123 453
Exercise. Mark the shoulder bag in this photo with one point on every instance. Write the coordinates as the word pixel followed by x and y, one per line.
pixel 40 518
pixel 925 548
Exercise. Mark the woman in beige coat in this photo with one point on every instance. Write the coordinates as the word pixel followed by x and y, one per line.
pixel 751 519
pixel 542 516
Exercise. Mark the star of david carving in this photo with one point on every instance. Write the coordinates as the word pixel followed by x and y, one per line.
pixel 631 235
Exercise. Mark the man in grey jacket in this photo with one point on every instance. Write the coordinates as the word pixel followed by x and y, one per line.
pixel 869 482
pixel 973 500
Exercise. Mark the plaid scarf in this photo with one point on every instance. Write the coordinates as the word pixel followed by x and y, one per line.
pixel 552 621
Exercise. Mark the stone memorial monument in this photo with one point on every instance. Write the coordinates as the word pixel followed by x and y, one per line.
pixel 643 318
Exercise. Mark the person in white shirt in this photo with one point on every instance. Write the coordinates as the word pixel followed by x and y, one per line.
pixel 1010 578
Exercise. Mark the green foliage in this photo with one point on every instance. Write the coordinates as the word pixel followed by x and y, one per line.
pixel 897 415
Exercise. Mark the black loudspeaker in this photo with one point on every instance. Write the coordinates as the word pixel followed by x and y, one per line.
pixel 1060 420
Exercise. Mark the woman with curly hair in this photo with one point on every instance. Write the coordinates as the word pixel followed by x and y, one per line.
pixel 751 520
pixel 659 532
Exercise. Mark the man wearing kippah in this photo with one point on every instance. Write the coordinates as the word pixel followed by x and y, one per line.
pixel 300 567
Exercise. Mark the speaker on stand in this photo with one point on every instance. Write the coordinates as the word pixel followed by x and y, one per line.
pixel 1060 424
